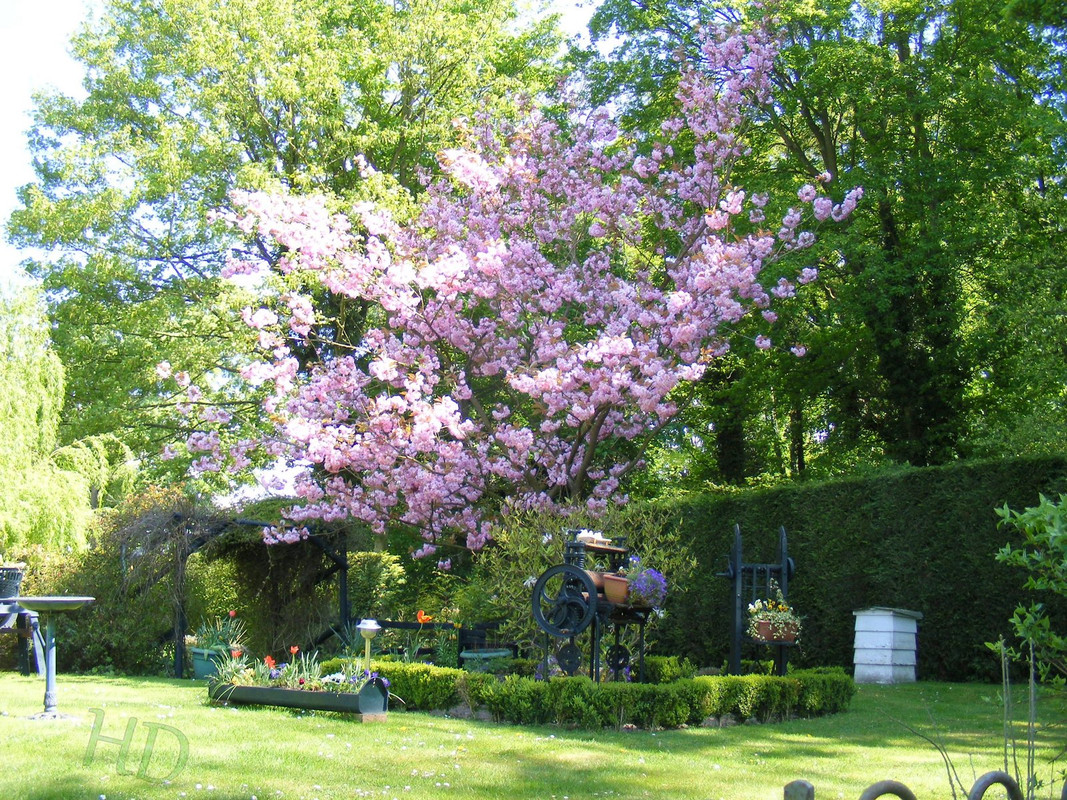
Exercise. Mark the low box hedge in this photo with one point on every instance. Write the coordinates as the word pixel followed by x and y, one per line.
pixel 579 702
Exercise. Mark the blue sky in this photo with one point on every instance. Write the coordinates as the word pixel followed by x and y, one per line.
pixel 34 54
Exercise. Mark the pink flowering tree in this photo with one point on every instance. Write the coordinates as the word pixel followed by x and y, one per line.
pixel 533 328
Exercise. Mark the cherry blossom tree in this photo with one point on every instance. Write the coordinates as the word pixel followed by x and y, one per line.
pixel 536 324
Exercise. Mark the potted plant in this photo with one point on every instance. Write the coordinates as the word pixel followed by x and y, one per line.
pixel 11 573
pixel 213 641
pixel 299 683
pixel 635 585
pixel 773 619
pixel 648 587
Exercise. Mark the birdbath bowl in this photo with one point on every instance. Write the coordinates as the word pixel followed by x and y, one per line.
pixel 46 607
pixel 45 604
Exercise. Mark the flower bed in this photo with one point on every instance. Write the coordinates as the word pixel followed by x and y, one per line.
pixel 372 697
pixel 299 683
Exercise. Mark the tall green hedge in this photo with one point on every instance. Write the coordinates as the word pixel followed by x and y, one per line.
pixel 921 539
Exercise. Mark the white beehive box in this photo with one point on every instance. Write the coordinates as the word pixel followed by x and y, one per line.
pixel 885 645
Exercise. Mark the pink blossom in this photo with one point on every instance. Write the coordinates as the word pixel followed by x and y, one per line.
pixel 822 208
pixel 521 321
pixel 260 318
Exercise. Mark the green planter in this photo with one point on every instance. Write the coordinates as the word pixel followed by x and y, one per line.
pixel 205 662
pixel 373 698
pixel 479 660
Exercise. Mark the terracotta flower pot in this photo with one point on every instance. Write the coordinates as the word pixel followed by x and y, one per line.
pixel 786 632
pixel 616 588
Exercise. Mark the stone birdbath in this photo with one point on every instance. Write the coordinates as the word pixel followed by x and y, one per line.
pixel 46 608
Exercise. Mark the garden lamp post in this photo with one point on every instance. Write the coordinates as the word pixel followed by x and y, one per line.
pixel 368 629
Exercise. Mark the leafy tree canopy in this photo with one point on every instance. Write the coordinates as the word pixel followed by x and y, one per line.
pixel 932 339
pixel 188 99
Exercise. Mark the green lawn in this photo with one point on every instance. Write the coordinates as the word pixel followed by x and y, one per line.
pixel 267 753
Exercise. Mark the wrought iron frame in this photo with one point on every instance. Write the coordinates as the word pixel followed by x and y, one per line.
pixel 750 582
pixel 565 603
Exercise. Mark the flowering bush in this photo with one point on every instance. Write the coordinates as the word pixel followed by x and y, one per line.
pixel 776 611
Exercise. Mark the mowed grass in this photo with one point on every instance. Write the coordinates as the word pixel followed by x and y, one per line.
pixel 273 753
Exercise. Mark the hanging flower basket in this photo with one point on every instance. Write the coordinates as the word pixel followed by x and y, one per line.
pixel 769 633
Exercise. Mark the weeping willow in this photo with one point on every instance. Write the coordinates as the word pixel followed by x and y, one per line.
pixel 42 502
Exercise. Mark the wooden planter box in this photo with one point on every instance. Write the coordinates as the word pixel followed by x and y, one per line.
pixel 371 702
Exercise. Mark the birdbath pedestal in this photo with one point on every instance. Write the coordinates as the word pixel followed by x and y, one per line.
pixel 47 608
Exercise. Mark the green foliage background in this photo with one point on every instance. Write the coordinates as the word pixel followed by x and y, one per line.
pixel 921 539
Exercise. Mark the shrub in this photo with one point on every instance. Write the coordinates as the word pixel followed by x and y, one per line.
pixel 824 690
pixel 667 669
pixel 375 583
pixel 1043 555
pixel 520 700
pixel 578 702
pixel 420 686
pixel 571 703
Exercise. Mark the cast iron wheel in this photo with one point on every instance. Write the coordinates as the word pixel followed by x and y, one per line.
pixel 618 657
pixel 569 658
pixel 564 601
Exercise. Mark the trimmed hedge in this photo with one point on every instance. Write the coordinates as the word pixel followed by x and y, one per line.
pixel 578 702
pixel 921 539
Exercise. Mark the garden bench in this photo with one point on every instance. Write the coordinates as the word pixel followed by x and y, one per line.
pixel 23 623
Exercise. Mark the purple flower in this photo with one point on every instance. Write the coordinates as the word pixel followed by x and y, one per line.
pixel 648 587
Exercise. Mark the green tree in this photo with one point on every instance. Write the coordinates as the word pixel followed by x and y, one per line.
pixel 41 503
pixel 190 99
pixel 951 117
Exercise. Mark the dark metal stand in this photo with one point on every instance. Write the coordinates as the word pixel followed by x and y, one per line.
pixel 566 602
pixel 751 582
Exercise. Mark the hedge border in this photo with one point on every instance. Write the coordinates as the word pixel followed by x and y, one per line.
pixel 581 703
